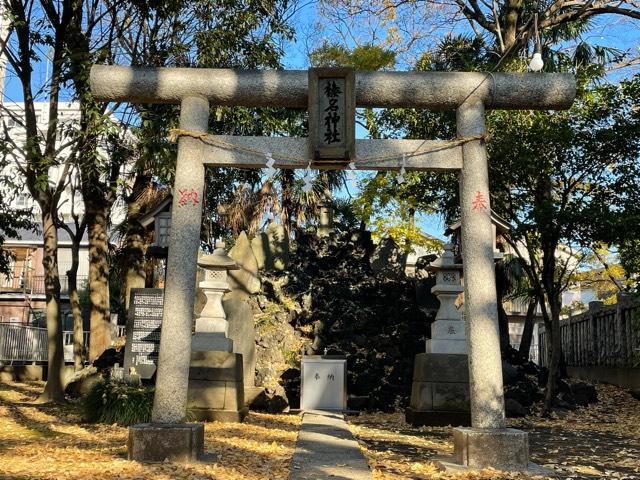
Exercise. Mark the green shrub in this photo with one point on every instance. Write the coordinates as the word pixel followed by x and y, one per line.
pixel 117 402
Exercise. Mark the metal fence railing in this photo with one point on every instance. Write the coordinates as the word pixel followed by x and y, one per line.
pixel 24 280
pixel 22 343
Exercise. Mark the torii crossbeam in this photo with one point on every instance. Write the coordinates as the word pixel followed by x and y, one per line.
pixel 196 90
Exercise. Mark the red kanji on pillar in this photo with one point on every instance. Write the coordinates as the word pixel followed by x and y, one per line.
pixel 479 203
pixel 186 195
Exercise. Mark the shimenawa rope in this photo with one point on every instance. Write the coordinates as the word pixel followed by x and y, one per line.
pixel 175 133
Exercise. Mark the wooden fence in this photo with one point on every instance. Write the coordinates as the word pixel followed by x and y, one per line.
pixel 603 336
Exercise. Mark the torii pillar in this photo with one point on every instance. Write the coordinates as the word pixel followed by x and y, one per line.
pixel 488 443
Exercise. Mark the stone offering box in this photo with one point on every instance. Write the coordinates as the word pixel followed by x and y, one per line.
pixel 324 382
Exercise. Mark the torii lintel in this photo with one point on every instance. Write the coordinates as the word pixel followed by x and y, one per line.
pixel 288 88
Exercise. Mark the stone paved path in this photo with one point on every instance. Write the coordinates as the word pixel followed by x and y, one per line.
pixel 327 450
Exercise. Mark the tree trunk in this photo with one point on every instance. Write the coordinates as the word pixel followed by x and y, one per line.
pixel 527 332
pixel 503 319
pixel 287 200
pixel 503 325
pixel 555 341
pixel 78 329
pixel 54 388
pixel 100 318
pixel 512 11
pixel 136 268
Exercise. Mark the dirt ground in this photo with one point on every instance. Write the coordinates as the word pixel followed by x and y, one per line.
pixel 49 442
pixel 599 441
pixel 52 442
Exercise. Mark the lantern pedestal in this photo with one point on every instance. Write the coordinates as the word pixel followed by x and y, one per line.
pixel 216 387
pixel 440 391
pixel 211 342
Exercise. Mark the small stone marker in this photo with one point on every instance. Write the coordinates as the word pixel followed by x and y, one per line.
pixel 332 113
pixel 143 331
pixel 117 373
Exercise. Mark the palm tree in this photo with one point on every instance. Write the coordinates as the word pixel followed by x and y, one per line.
pixel 280 196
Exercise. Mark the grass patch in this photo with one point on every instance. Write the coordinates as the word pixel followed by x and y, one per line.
pixel 117 402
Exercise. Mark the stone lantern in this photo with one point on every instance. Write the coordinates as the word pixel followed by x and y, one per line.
pixel 212 328
pixel 216 390
pixel 447 332
pixel 440 388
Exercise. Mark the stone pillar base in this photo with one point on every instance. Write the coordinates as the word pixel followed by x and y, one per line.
pixel 155 442
pixel 502 449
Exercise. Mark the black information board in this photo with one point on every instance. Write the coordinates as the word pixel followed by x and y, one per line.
pixel 143 331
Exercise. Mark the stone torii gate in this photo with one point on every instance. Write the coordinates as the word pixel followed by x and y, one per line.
pixel 488 442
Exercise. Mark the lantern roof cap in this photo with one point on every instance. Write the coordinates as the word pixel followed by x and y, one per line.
pixel 219 259
pixel 446 261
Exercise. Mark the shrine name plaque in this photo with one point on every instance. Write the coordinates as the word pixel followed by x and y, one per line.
pixel 143 331
pixel 332 114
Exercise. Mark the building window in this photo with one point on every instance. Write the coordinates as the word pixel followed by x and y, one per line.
pixel 38 318
pixel 163 228
pixel 22 201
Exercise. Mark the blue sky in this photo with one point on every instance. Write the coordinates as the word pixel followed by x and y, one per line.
pixel 608 30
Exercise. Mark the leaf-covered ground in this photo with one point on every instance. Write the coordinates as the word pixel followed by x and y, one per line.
pixel 51 442
pixel 48 442
pixel 599 441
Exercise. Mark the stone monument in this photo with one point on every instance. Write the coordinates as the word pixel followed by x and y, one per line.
pixel 325 220
pixel 144 324
pixel 216 380
pixel 271 248
pixel 244 283
pixel 244 280
pixel 440 389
